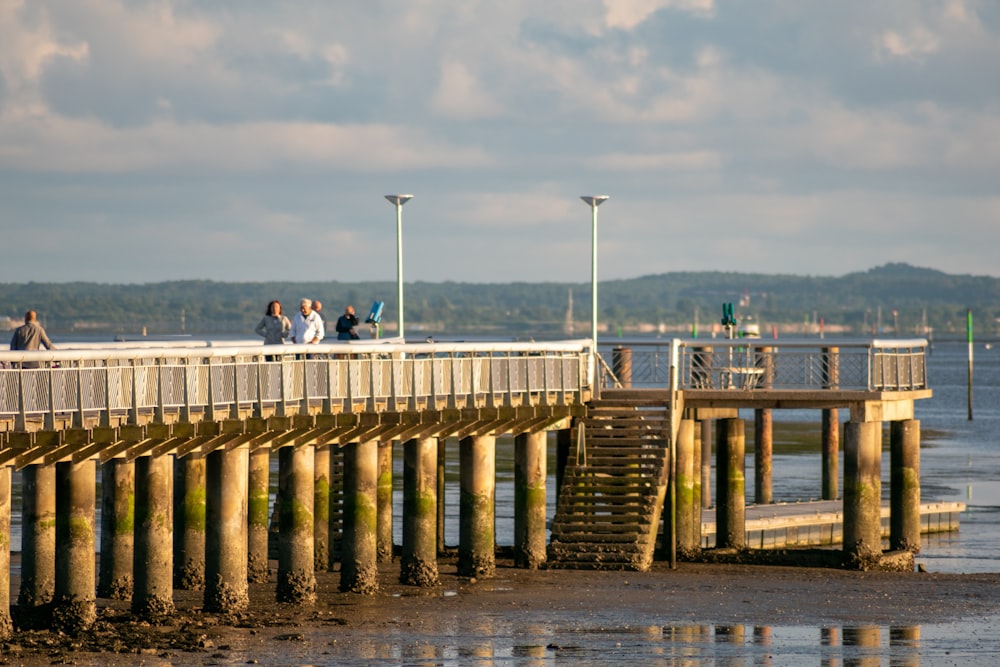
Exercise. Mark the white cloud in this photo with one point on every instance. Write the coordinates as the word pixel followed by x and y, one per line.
pixel 460 95
pixel 627 14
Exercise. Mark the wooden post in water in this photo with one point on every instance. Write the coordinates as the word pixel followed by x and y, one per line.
pixel 730 515
pixel 476 540
pixel 763 445
pixel 74 607
pixel 114 579
pixel 418 566
pixel 904 485
pixel 862 493
pixel 968 329
pixel 153 566
pixel 321 509
pixel 529 499
pixel 258 514
pixel 227 473
pixel 385 502
pixel 359 559
pixel 296 550
pixel 441 468
pixel 189 522
pixel 38 542
pixel 6 624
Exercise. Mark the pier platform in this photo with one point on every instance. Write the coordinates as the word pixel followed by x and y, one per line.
pixel 820 523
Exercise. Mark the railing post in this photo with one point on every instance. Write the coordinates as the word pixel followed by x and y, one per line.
pixel 133 412
pixel 158 413
pixel 78 417
pixel 50 418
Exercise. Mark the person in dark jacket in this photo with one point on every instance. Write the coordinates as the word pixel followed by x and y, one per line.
pixel 346 324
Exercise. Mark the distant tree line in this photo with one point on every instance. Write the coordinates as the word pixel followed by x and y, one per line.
pixel 916 300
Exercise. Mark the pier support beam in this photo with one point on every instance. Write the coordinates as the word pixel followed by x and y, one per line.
pixel 359 562
pixel 296 551
pixel 862 493
pixel 730 529
pixel 763 453
pixel 153 596
pixel 831 451
pixel 226 588
pixel 441 469
pixel 384 539
pixel 321 509
pixel 529 499
pixel 189 522
pixel 38 541
pixel 115 579
pixel 697 489
pixel 477 514
pixel 74 607
pixel 420 502
pixel 6 624
pixel 904 485
pixel 688 532
pixel 258 508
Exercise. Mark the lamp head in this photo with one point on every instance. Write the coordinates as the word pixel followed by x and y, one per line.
pixel 594 200
pixel 398 200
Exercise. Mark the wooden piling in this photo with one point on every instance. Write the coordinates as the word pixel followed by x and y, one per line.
pixel 226 587
pixel 529 499
pixel 477 541
pixel 154 523
pixel 904 485
pixel 418 566
pixel 441 460
pixel 706 463
pixel 74 606
pixel 38 540
pixel 258 514
pixel 359 561
pixel 763 454
pixel 189 522
pixel 115 579
pixel 731 484
pixel 296 551
pixel 862 493
pixel 830 435
pixel 384 530
pixel 621 359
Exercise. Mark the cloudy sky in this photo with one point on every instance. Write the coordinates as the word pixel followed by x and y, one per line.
pixel 149 140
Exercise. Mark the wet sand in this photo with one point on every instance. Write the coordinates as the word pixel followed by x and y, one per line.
pixel 522 616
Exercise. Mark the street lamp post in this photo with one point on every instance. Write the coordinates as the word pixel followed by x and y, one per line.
pixel 398 201
pixel 594 201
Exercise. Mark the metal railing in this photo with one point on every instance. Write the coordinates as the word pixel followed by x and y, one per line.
pixel 747 364
pixel 343 377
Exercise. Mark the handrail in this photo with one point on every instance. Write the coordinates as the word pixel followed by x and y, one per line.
pixel 342 377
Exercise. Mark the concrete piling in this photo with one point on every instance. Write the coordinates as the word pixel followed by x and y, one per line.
pixel 830 439
pixel 114 579
pixel 904 485
pixel 529 499
pixel 420 501
pixel 862 493
pixel 189 522
pixel 258 507
pixel 359 559
pixel 6 623
pixel 477 540
pixel 296 552
pixel 731 484
pixel 384 530
pixel 38 540
pixel 706 463
pixel 74 606
pixel 226 587
pixel 153 553
pixel 441 461
pixel 321 509
pixel 763 453
pixel 688 532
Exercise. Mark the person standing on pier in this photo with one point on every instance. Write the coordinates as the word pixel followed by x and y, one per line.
pixel 274 326
pixel 318 309
pixel 346 324
pixel 30 335
pixel 307 326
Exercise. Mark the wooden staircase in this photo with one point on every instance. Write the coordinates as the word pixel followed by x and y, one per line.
pixel 610 503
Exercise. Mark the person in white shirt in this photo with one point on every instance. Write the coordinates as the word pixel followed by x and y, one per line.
pixel 307 326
